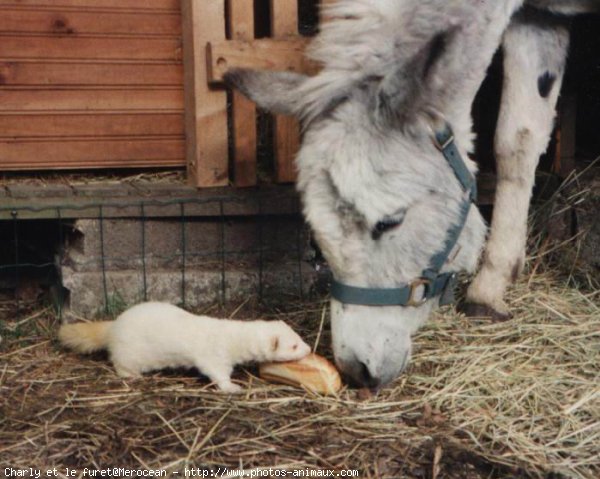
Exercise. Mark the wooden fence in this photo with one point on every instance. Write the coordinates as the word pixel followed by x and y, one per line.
pixel 90 84
pixel 208 54
pixel 137 83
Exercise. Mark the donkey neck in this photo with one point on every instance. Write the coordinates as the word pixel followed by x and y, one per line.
pixel 462 69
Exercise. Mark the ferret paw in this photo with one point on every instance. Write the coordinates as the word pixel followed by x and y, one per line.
pixel 229 387
pixel 126 373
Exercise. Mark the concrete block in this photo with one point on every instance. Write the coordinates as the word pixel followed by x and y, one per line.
pixel 162 242
pixel 246 255
pixel 124 288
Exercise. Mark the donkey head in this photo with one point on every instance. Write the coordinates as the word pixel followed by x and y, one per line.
pixel 379 194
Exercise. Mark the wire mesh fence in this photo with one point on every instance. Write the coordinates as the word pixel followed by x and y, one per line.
pixel 183 239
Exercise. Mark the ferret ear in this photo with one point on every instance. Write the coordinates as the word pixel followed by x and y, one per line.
pixel 274 343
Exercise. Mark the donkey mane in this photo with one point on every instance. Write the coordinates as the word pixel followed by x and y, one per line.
pixel 364 42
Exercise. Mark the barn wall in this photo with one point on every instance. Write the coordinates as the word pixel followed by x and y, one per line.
pixel 90 84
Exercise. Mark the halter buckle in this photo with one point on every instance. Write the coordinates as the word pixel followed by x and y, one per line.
pixel 444 142
pixel 412 299
pixel 440 120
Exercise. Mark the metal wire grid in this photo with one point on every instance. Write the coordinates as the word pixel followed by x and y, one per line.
pixel 221 255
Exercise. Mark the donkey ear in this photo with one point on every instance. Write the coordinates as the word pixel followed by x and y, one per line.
pixel 404 90
pixel 277 92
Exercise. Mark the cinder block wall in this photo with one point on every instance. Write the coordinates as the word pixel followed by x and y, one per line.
pixel 132 260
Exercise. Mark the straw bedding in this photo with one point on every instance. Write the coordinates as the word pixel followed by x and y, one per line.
pixel 514 399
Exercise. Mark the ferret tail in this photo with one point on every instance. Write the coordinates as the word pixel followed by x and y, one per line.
pixel 85 337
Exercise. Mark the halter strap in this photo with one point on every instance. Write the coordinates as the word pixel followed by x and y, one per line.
pixel 413 294
pixel 432 283
pixel 444 141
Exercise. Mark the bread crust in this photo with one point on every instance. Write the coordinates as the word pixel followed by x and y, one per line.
pixel 314 373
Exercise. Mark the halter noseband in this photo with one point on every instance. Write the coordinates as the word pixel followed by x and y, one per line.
pixel 432 283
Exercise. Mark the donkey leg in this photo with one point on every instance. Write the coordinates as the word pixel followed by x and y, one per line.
pixel 535 48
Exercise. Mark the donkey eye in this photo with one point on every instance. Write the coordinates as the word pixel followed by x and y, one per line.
pixel 384 226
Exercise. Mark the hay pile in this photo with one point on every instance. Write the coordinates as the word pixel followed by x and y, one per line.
pixel 514 399
pixel 147 176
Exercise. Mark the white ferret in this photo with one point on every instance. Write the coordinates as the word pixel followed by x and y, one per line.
pixel 152 336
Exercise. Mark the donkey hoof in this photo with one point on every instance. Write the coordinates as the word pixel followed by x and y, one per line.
pixel 476 310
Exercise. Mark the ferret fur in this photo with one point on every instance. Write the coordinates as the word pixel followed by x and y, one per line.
pixel 153 336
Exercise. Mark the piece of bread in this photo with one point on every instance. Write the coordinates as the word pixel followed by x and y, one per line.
pixel 312 372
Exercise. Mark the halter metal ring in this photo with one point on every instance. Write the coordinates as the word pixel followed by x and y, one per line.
pixel 446 143
pixel 414 286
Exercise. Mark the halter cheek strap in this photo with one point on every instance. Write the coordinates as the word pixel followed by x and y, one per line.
pixel 432 283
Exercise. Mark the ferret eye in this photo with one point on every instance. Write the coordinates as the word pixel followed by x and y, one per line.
pixel 294 347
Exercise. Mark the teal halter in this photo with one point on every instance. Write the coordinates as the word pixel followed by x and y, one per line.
pixel 432 283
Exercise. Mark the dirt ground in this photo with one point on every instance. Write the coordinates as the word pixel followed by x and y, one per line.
pixel 442 419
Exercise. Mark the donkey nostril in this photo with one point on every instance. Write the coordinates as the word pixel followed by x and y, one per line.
pixel 366 379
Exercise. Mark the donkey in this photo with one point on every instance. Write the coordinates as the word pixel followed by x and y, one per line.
pixel 384 174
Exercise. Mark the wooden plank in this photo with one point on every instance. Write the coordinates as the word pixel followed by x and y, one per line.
pixel 564 162
pixel 86 23
pixel 92 99
pixel 89 48
pixel 37 155
pixel 486 188
pixel 90 125
pixel 274 200
pixel 284 22
pixel 205 108
pixel 72 73
pixel 284 18
pixel 172 5
pixel 286 146
pixel 266 54
pixel 241 26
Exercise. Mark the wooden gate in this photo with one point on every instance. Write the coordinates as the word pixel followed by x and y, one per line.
pixel 208 53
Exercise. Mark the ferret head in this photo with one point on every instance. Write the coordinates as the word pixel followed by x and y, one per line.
pixel 284 343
